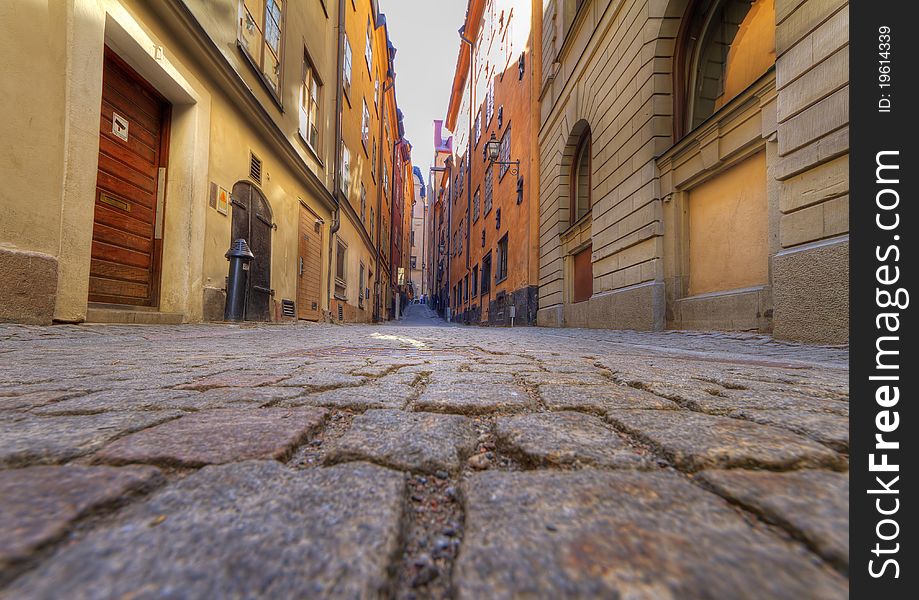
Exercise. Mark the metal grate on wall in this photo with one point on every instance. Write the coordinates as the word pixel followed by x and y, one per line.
pixel 288 308
pixel 341 313
pixel 255 168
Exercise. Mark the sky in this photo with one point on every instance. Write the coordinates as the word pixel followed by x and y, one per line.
pixel 424 33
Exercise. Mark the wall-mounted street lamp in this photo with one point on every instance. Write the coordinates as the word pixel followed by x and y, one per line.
pixel 493 151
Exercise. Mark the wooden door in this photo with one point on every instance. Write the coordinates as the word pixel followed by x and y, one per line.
pixel 309 266
pixel 130 189
pixel 252 221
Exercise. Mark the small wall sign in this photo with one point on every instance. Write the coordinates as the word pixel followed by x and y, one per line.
pixel 223 201
pixel 119 126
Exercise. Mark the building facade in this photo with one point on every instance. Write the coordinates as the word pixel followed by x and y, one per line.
pixel 418 273
pixel 218 121
pixel 694 166
pixel 493 239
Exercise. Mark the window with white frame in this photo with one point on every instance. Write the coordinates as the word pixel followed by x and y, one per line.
pixel 489 189
pixel 363 204
pixel 504 152
pixel 478 127
pixel 309 105
pixel 260 33
pixel 368 51
pixel 490 101
pixel 476 202
pixel 346 67
pixel 345 169
pixel 365 128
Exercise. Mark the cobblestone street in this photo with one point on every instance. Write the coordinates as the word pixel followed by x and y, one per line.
pixel 418 460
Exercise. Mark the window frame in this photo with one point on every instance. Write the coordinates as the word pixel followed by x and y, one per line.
pixel 485 274
pixel 309 68
pixel 347 67
pixel 257 62
pixel 585 143
pixel 502 271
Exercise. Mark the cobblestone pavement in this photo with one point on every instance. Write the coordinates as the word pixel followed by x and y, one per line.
pixel 418 460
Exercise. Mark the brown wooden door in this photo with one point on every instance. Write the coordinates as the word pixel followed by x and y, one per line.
pixel 127 232
pixel 308 266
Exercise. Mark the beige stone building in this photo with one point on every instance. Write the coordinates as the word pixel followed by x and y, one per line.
pixel 694 166
pixel 217 122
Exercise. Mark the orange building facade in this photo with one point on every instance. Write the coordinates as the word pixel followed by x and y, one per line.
pixel 489 262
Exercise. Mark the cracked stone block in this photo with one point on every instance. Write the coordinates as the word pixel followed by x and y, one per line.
pixel 694 441
pixel 811 505
pixel 408 441
pixel 217 437
pixel 32 400
pixel 240 379
pixel 29 440
pixel 39 504
pixel 373 395
pixel 124 400
pixel 600 399
pixel 622 534
pixel 249 530
pixel 319 379
pixel 731 401
pixel 828 429
pixel 565 438
pixel 545 378
pixel 473 399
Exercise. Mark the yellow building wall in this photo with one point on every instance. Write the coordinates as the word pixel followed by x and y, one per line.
pixel 728 229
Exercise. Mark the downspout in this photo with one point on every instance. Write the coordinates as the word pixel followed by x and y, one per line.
pixel 377 317
pixel 339 100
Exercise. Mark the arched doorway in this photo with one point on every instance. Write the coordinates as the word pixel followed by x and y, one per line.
pixel 252 221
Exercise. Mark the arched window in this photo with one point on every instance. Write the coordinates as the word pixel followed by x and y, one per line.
pixel 725 46
pixel 580 179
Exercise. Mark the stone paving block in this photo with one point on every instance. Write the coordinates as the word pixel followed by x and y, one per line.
pixel 694 441
pixel 32 400
pixel 511 369
pixel 323 378
pixel 29 440
pixel 371 395
pixel 811 505
pixel 600 399
pixel 417 442
pixel 443 378
pixel 39 504
pixel 217 437
pixel 828 429
pixel 473 399
pixel 732 400
pixel 565 438
pixel 124 400
pixel 546 378
pixel 234 378
pixel 622 534
pixel 250 530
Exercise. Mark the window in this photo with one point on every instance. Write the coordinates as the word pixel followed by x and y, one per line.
pixel 340 256
pixel 309 105
pixel 475 281
pixel 368 51
pixel 360 289
pixel 363 204
pixel 504 153
pixel 385 179
pixel 260 37
pixel 476 201
pixel 466 288
pixel 376 94
pixel 489 189
pixel 727 46
pixel 373 161
pixel 580 179
pixel 478 127
pixel 501 269
pixel 365 128
pixel 490 101
pixel 345 169
pixel 346 67
pixel 372 222
pixel 486 274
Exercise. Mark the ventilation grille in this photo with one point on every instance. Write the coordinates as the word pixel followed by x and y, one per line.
pixel 255 168
pixel 288 308
pixel 341 313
